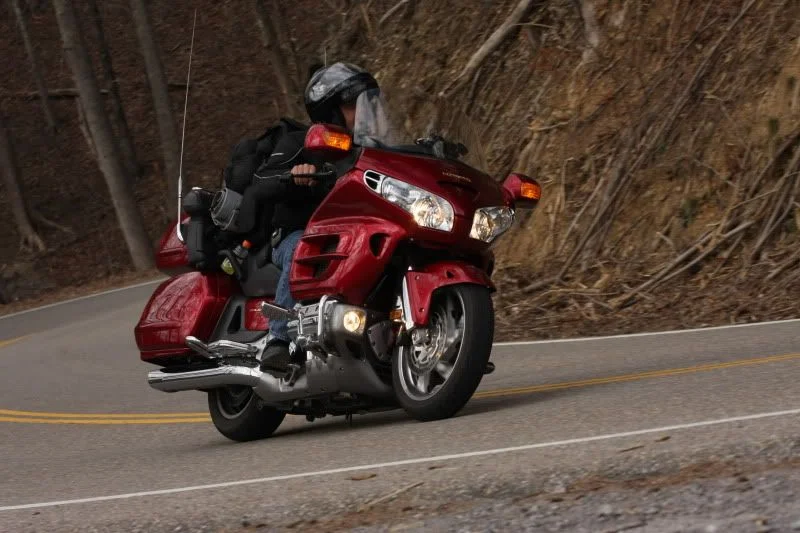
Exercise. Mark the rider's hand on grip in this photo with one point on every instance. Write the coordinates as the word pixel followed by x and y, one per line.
pixel 303 174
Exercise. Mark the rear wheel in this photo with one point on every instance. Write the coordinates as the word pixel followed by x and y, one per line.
pixel 239 414
pixel 438 374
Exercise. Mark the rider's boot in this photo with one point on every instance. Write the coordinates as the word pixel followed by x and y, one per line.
pixel 276 358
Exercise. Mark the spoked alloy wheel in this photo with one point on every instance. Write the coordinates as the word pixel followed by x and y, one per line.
pixel 238 413
pixel 436 376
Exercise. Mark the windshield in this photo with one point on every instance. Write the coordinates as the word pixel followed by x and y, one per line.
pixel 445 133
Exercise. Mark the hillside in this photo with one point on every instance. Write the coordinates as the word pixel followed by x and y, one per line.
pixel 669 152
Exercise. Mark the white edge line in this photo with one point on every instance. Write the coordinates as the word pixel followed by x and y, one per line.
pixel 649 333
pixel 420 460
pixel 498 344
pixel 86 297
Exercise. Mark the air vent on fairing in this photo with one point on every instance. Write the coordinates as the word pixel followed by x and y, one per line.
pixel 373 180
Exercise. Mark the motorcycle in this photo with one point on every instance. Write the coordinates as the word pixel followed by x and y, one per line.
pixel 393 282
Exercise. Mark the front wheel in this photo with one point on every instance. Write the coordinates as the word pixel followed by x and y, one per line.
pixel 238 413
pixel 438 374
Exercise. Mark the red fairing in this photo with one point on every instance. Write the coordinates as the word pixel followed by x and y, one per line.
pixel 345 254
pixel 190 304
pixel 343 257
pixel 465 187
pixel 422 284
pixel 172 256
pixel 254 319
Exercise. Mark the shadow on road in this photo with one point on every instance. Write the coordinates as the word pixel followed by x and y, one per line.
pixel 373 421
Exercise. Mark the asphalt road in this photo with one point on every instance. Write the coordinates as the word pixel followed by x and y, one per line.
pixel 87 445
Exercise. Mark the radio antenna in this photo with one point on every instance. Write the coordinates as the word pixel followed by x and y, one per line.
pixel 183 132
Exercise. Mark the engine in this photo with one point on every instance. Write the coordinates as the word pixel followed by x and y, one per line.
pixel 330 327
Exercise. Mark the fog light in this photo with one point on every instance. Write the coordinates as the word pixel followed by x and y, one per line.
pixel 353 321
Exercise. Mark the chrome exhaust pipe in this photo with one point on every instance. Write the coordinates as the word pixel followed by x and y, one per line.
pixel 338 374
pixel 208 378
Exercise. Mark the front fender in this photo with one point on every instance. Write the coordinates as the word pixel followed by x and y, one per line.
pixel 419 286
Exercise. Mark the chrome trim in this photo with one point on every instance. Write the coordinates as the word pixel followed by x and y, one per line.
pixel 224 348
pixel 320 318
pixel 276 312
pixel 376 177
pixel 199 347
pixel 301 317
pixel 337 374
pixel 203 379
pixel 408 318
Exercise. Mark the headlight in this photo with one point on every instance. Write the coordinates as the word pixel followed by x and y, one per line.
pixel 428 210
pixel 491 222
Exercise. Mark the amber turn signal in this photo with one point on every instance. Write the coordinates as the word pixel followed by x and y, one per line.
pixel 530 191
pixel 340 141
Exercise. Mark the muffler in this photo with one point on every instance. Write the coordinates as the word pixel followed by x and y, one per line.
pixel 321 378
pixel 208 378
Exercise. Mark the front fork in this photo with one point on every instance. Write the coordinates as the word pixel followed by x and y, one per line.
pixel 419 287
pixel 416 294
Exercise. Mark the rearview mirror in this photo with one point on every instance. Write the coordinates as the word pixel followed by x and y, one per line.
pixel 521 191
pixel 328 141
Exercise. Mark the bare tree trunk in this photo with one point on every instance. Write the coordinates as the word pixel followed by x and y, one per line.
pixel 158 85
pixel 269 34
pixel 280 22
pixel 587 11
pixel 37 74
pixel 124 136
pixel 13 184
pixel 130 219
pixel 85 129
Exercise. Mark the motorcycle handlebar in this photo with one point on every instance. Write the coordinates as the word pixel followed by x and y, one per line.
pixel 287 177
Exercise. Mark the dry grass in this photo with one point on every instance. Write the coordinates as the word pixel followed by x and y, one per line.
pixel 669 153
pixel 669 158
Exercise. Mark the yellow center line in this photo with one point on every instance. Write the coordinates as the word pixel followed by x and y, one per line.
pixel 634 377
pixel 35 417
pixel 40 414
pixel 9 342
pixel 101 421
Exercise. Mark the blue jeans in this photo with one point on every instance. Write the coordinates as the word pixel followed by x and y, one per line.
pixel 282 258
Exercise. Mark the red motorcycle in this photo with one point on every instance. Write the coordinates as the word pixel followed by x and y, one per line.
pixel 393 279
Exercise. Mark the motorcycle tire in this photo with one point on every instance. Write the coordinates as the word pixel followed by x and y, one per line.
pixel 470 364
pixel 246 420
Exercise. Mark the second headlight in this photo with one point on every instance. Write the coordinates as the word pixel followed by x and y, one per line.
pixel 491 222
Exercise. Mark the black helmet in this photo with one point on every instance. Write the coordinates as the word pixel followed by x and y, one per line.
pixel 333 86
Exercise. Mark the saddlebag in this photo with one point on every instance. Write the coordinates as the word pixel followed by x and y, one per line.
pixel 188 304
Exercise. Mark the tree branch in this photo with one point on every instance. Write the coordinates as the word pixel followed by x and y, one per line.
pixel 494 40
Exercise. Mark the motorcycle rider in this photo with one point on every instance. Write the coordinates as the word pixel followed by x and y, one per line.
pixel 342 94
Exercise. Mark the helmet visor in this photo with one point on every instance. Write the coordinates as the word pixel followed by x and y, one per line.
pixel 372 125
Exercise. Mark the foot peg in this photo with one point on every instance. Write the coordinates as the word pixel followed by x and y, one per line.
pixel 199 347
pixel 292 374
pixel 274 312
pixel 220 349
pixel 489 368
